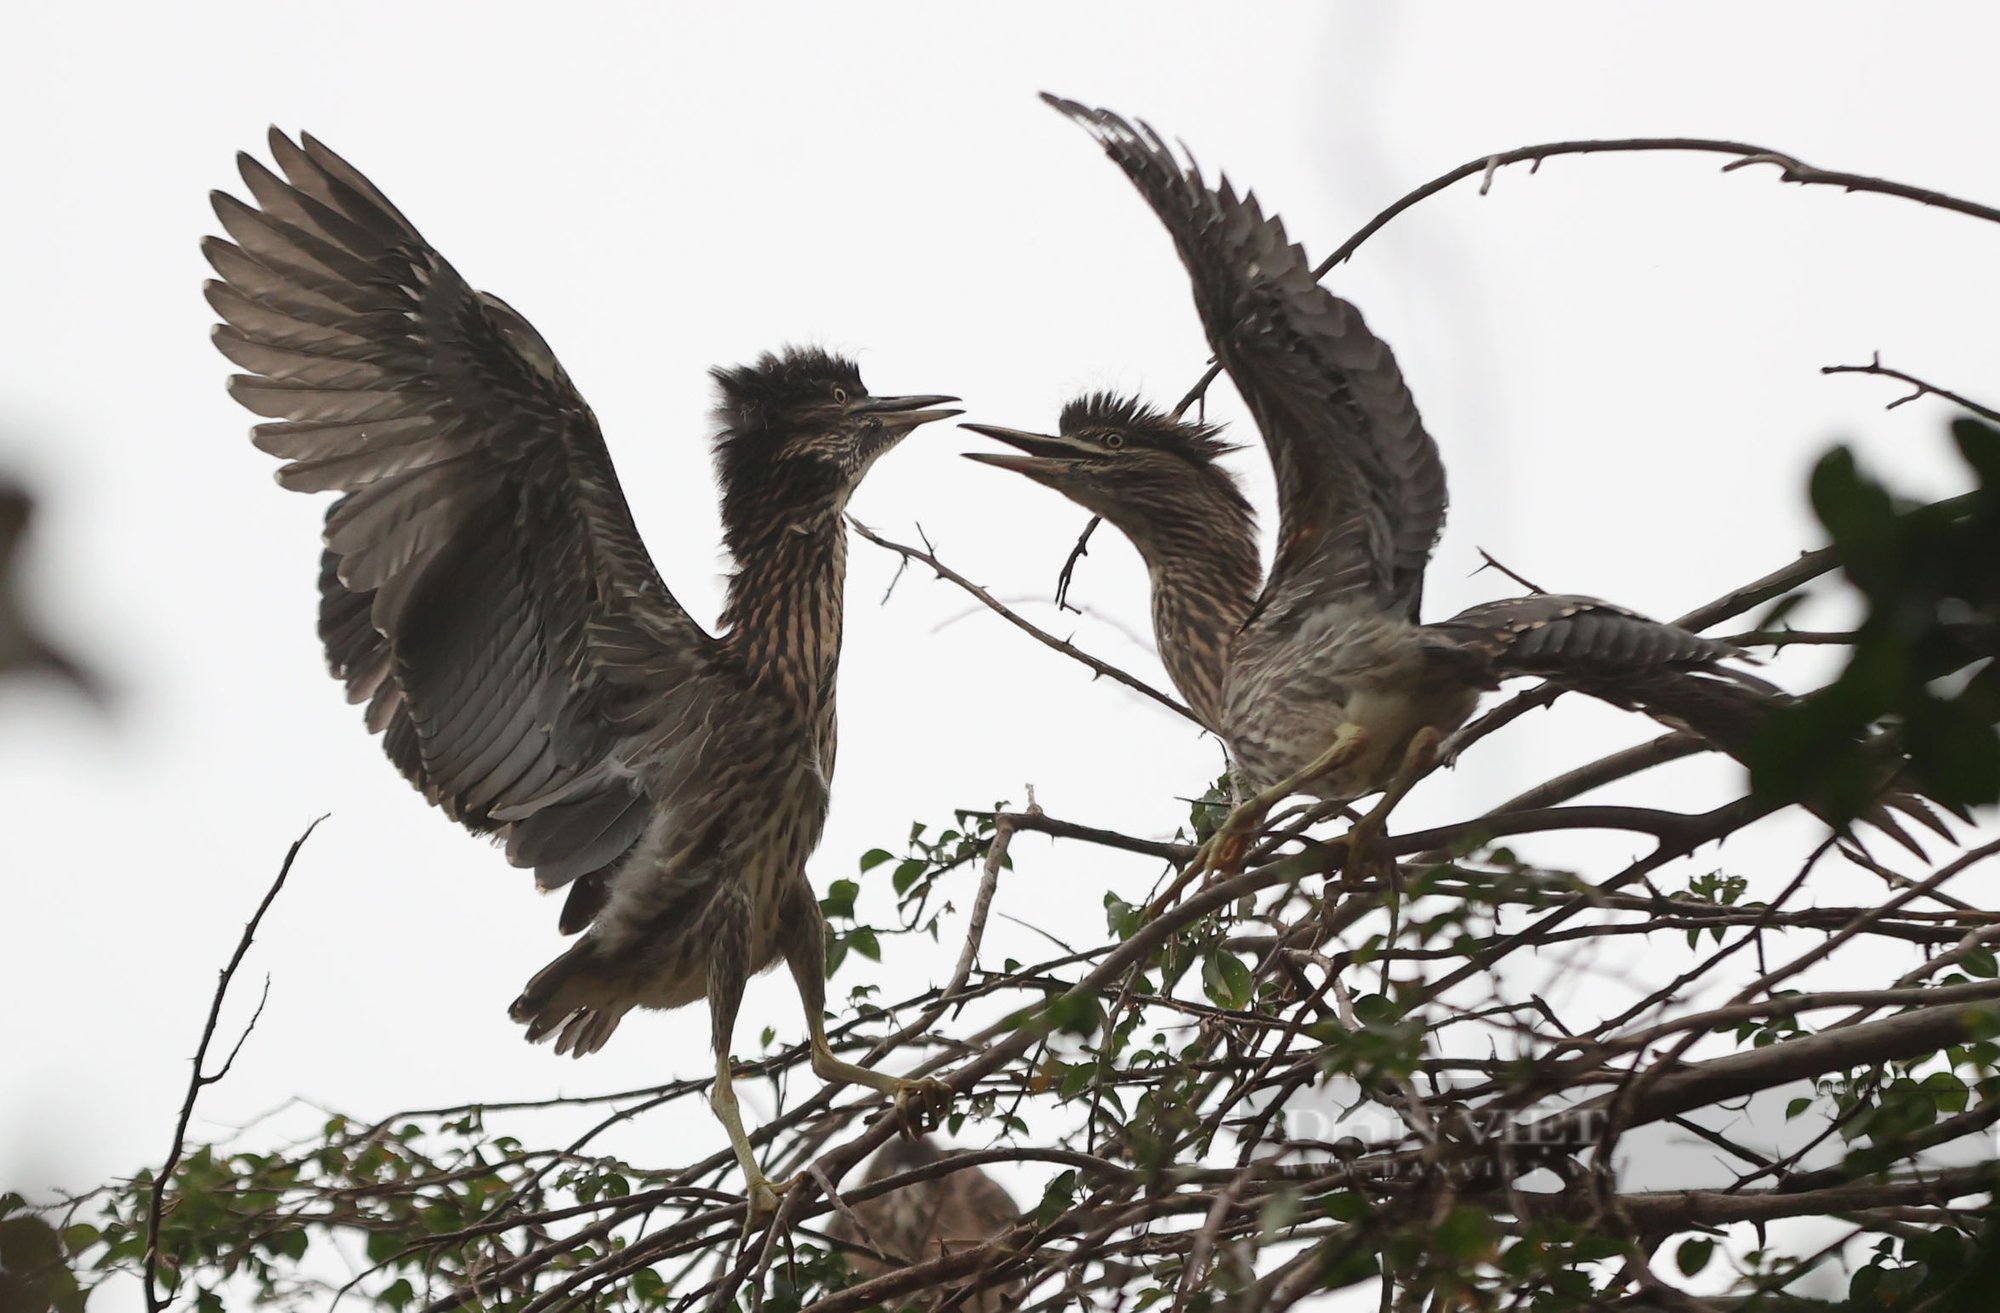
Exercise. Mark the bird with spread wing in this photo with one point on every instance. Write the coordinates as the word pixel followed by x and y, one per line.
pixel 485 592
pixel 1322 678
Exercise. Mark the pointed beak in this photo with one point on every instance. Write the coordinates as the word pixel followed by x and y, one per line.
pixel 1046 453
pixel 901 414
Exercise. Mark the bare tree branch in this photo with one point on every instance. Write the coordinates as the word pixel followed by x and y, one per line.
pixel 199 1080
pixel 1921 388
pixel 1040 635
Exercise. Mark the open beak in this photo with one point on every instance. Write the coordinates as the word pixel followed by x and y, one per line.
pixel 901 414
pixel 1046 452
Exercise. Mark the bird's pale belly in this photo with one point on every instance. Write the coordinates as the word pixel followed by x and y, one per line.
pixel 1291 727
pixel 670 966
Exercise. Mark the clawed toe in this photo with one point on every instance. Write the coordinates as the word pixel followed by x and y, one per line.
pixel 1231 847
pixel 761 1195
pixel 921 1105
pixel 1367 855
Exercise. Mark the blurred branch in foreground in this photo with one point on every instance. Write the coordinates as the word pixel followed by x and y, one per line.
pixel 23 649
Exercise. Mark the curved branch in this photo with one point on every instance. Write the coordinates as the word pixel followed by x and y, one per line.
pixel 1040 635
pixel 1790 169
pixel 1923 388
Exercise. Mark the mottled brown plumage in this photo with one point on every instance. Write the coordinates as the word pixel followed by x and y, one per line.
pixel 485 592
pixel 927 1219
pixel 1329 648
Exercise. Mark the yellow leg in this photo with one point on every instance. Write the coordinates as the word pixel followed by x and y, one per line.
pixel 1369 831
pixel 759 1191
pixel 1225 849
pixel 920 1104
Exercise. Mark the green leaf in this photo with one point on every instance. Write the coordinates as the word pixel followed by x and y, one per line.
pixel 1281 1210
pixel 1854 508
pixel 839 900
pixel 874 857
pixel 1345 1206
pixel 1948 1091
pixel 1226 980
pixel 1980 445
pixel 28 1243
pixel 1694 1255
pixel 1079 1015
pixel 1467 1235
pixel 1056 1200
pixel 1120 917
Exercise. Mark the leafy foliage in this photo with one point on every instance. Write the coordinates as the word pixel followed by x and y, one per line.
pixel 1922 658
pixel 1302 1077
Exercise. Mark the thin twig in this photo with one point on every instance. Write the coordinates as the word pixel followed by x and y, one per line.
pixel 1922 388
pixel 198 1079
pixel 1000 608
pixel 1076 553
pixel 1493 563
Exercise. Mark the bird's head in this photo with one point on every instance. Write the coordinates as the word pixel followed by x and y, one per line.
pixel 798 432
pixel 1138 467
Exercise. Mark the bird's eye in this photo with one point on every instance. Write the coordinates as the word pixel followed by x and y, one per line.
pixel 1114 441
pixel 840 394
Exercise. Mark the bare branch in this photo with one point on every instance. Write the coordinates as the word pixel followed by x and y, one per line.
pixel 1040 635
pixel 1076 553
pixel 1922 388
pixel 198 1079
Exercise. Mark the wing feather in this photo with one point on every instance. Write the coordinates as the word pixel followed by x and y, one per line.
pixel 1361 488
pixel 481 533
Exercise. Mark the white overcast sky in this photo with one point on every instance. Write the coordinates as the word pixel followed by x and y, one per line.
pixel 1619 357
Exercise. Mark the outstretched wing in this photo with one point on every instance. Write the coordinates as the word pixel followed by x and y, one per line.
pixel 483 587
pixel 1361 490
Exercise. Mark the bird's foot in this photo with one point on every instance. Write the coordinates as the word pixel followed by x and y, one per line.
pixel 921 1105
pixel 1367 858
pixel 762 1195
pixel 1232 844
pixel 1221 858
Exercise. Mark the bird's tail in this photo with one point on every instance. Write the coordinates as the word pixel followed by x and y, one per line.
pixel 1730 711
pixel 1673 675
pixel 571 999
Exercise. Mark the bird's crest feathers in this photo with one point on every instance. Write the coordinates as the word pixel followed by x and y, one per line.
pixel 747 396
pixel 1094 411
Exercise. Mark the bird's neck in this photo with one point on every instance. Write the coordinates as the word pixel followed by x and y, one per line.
pixel 782 619
pixel 1205 573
